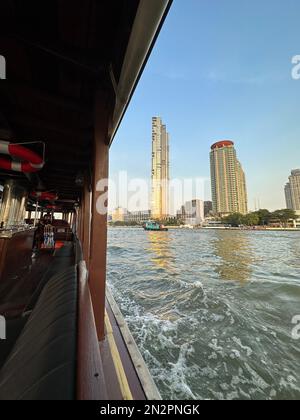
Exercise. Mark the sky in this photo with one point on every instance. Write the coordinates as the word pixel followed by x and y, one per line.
pixel 220 70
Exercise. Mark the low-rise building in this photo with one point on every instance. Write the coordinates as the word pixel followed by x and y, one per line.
pixel 297 221
pixel 119 215
pixel 192 213
pixel 138 216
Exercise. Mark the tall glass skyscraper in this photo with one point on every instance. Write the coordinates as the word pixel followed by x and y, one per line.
pixel 228 182
pixel 160 170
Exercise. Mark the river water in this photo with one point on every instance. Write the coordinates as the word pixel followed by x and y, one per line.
pixel 211 311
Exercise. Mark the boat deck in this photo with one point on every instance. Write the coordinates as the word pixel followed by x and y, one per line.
pixel 126 375
pixel 117 363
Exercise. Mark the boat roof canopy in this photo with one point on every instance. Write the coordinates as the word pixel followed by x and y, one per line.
pixel 58 55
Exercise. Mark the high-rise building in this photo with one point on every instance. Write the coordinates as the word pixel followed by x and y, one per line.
pixel 292 191
pixel 228 182
pixel 160 170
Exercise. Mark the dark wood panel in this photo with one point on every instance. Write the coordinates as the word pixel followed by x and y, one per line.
pixel 15 256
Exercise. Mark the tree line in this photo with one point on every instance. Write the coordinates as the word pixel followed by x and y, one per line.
pixel 260 218
pixel 171 221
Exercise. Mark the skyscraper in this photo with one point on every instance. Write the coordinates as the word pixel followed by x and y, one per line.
pixel 160 170
pixel 292 191
pixel 228 182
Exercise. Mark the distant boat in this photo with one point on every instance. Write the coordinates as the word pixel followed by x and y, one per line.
pixel 155 227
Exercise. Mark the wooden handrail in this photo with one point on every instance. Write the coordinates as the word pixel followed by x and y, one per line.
pixel 90 375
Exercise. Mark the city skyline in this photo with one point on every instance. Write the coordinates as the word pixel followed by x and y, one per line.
pixel 227 179
pixel 237 87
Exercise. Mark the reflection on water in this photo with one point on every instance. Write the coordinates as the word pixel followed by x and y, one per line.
pixel 233 249
pixel 160 249
pixel 236 255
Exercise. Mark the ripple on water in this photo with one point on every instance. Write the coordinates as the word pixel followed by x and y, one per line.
pixel 211 311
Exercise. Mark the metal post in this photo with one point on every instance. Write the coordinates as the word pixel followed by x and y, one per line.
pixel 86 222
pixel 36 212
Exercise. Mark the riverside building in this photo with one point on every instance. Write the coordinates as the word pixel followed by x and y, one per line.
pixel 292 191
pixel 228 182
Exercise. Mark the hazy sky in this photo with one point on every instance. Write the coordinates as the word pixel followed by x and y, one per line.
pixel 221 70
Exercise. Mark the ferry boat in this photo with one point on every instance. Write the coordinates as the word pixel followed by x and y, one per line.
pixel 71 71
pixel 155 226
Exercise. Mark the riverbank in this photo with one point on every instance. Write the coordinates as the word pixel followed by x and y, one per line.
pixel 253 229
pixel 250 229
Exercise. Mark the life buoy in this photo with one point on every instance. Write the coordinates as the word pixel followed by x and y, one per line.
pixel 31 161
pixel 44 196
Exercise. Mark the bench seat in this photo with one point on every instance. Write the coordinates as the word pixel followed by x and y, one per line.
pixel 42 363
